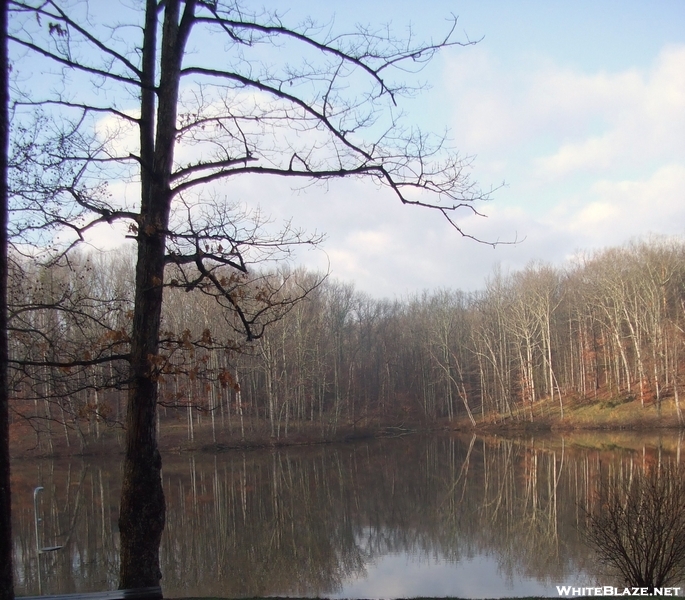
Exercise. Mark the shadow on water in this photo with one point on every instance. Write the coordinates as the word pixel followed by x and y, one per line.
pixel 459 516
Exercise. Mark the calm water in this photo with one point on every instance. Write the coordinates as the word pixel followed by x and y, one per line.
pixel 394 518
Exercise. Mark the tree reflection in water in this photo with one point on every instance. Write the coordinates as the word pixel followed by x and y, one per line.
pixel 311 521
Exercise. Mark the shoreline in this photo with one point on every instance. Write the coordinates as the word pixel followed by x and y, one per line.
pixel 594 417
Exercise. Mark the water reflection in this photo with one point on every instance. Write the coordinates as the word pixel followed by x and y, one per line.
pixel 407 517
pixel 406 576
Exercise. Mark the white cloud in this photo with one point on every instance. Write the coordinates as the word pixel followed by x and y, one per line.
pixel 120 136
pixel 641 115
pixel 628 208
pixel 593 153
pixel 570 120
pixel 108 237
pixel 593 159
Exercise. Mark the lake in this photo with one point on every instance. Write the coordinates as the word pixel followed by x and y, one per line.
pixel 414 516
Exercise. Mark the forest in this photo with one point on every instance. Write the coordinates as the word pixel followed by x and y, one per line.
pixel 608 326
pixel 135 120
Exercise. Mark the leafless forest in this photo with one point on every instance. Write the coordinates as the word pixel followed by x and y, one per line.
pixel 609 326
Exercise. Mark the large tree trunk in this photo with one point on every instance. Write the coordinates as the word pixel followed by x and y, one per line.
pixel 6 586
pixel 142 511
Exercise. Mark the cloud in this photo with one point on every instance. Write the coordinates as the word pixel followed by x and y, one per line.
pixel 591 158
pixel 385 248
pixel 627 208
pixel 568 120
pixel 120 137
pixel 641 117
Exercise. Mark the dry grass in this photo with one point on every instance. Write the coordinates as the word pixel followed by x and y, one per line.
pixel 606 413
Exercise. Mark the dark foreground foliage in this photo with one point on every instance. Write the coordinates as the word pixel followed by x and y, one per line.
pixel 638 529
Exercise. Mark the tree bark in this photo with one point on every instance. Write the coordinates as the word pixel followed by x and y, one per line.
pixel 142 512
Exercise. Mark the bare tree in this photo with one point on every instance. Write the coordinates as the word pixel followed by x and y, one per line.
pixel 198 120
pixel 638 527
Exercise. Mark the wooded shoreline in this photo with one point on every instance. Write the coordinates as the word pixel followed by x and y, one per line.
pixel 580 418
pixel 596 344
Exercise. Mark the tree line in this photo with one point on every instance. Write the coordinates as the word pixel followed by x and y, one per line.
pixel 610 323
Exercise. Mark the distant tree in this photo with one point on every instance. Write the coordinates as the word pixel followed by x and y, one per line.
pixel 199 119
pixel 638 527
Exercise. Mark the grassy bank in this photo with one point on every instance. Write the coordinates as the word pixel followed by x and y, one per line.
pixel 602 413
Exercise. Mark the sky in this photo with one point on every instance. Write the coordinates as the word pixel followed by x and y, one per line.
pixel 573 114
pixel 577 108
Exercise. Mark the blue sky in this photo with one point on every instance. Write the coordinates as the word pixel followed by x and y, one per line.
pixel 578 107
